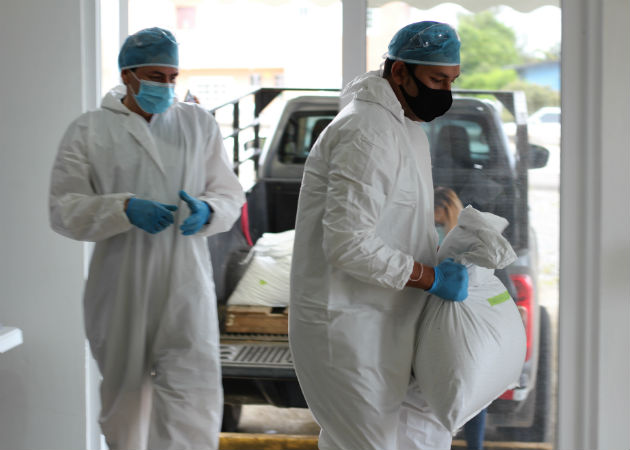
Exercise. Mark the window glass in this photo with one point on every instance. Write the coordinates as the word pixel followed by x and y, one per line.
pixel 472 139
pixel 495 160
pixel 485 155
pixel 110 36
pixel 225 53
pixel 551 118
pixel 302 131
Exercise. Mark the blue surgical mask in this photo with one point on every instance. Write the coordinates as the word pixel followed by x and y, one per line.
pixel 440 231
pixel 154 97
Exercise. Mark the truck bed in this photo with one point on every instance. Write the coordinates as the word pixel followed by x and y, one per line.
pixel 255 342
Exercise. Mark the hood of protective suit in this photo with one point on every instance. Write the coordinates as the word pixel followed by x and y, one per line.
pixel 112 99
pixel 372 87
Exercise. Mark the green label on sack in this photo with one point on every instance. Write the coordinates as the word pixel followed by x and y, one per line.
pixel 498 299
pixel 262 282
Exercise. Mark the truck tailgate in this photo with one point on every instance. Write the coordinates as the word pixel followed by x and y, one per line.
pixel 254 343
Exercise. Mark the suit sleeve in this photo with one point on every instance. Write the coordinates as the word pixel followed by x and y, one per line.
pixel 223 191
pixel 76 210
pixel 361 175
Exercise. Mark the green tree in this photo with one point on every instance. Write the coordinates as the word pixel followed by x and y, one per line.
pixel 488 53
pixel 494 79
pixel 487 44
pixel 537 96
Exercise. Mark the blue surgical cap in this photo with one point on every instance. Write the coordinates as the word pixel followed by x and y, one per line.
pixel 429 43
pixel 149 47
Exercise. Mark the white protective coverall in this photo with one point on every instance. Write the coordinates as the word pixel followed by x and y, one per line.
pixel 365 213
pixel 149 303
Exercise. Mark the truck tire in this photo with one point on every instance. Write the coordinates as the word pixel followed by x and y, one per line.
pixel 231 417
pixel 540 429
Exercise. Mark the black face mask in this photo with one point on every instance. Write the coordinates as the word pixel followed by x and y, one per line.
pixel 429 103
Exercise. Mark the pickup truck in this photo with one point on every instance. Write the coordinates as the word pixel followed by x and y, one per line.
pixel 470 154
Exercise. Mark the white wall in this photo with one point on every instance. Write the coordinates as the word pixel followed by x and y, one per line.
pixel 594 336
pixel 42 382
pixel 354 40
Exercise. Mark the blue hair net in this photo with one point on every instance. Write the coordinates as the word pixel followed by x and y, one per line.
pixel 149 47
pixel 429 43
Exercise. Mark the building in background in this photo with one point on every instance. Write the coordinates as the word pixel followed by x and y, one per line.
pixel 543 73
pixel 225 52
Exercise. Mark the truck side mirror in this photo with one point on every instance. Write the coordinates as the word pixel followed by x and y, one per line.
pixel 537 156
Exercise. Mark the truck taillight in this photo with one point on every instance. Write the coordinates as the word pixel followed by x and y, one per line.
pixel 524 301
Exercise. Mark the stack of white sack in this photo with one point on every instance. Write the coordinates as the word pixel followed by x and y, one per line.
pixel 266 279
pixel 470 352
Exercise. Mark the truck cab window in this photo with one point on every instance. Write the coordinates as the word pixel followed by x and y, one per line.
pixel 300 134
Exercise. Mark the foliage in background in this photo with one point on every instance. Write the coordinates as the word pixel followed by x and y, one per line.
pixel 537 96
pixel 552 54
pixel 493 79
pixel 489 51
pixel 487 44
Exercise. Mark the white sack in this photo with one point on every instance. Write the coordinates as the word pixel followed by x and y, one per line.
pixel 266 279
pixel 470 352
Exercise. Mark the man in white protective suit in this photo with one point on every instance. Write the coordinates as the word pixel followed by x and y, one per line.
pixel 365 251
pixel 147 178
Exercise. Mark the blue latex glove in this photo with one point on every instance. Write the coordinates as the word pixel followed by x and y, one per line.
pixel 451 281
pixel 199 214
pixel 148 215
